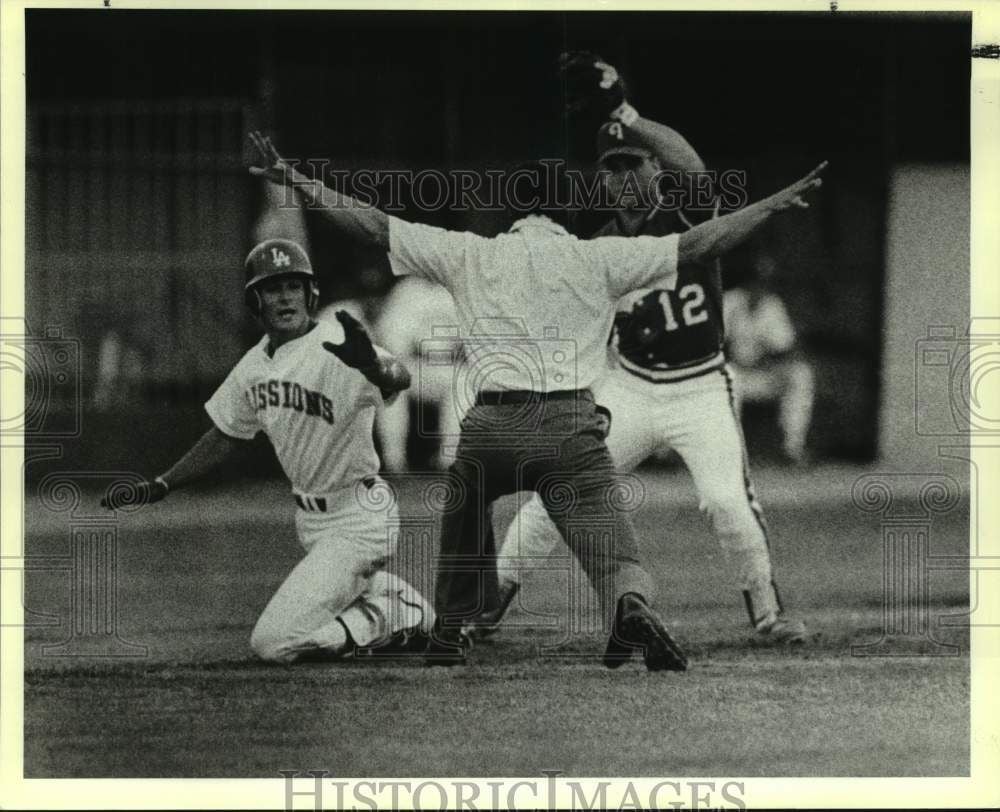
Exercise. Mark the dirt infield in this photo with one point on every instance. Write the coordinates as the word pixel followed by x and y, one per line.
pixel 193 574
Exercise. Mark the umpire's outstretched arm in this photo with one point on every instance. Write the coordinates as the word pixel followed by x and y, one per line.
pixel 719 236
pixel 369 224
pixel 364 222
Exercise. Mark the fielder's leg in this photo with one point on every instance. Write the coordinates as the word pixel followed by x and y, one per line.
pixel 710 441
pixel 530 537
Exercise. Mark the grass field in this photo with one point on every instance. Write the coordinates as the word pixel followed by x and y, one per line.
pixel 194 573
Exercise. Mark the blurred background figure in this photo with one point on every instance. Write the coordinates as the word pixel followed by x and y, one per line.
pixel 120 369
pixel 419 326
pixel 356 307
pixel 281 217
pixel 767 363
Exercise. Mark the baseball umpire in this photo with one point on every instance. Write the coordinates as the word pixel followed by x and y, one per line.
pixel 313 388
pixel 670 385
pixel 535 426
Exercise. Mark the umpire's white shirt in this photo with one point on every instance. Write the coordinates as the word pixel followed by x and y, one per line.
pixel 317 412
pixel 535 304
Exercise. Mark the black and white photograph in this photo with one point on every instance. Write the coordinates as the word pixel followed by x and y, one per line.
pixel 503 407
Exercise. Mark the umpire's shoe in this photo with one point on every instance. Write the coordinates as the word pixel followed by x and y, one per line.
pixel 447 646
pixel 637 627
pixel 486 623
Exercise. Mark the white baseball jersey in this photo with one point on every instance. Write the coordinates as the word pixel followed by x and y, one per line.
pixel 556 337
pixel 317 411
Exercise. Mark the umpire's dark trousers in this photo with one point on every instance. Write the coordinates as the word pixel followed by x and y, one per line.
pixel 552 444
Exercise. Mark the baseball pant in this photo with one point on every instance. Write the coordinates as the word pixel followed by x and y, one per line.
pixel 341 585
pixel 553 445
pixel 697 419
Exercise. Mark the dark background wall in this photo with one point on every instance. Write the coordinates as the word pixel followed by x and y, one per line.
pixel 139 208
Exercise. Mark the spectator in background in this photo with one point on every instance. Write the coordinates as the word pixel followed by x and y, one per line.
pixel 418 324
pixel 768 366
pixel 122 365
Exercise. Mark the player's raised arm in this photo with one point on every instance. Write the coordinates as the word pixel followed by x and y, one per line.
pixel 716 237
pixel 364 222
pixel 592 84
pixel 211 450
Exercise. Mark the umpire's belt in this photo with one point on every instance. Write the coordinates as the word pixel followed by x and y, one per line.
pixel 319 504
pixel 514 396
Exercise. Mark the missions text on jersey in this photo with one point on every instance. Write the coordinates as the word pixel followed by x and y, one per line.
pixel 290 395
pixel 670 335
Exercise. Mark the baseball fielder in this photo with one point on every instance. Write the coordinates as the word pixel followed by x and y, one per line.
pixel 314 389
pixel 669 385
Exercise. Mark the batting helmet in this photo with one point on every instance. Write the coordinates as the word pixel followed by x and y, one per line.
pixel 273 258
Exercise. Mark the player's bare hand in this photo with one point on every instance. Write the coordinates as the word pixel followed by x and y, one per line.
pixel 274 168
pixel 143 493
pixel 794 196
pixel 357 350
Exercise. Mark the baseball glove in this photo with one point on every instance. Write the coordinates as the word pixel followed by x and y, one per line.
pixel 357 350
pixel 592 85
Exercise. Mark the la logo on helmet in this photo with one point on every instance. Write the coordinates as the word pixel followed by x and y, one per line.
pixel 616 130
pixel 280 258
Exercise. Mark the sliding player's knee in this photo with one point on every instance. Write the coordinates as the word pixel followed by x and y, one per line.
pixel 271 646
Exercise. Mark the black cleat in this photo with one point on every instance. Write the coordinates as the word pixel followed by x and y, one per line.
pixel 637 628
pixel 487 623
pixel 404 643
pixel 447 646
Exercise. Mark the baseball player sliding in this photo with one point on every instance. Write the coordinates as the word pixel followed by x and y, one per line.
pixel 670 386
pixel 314 389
